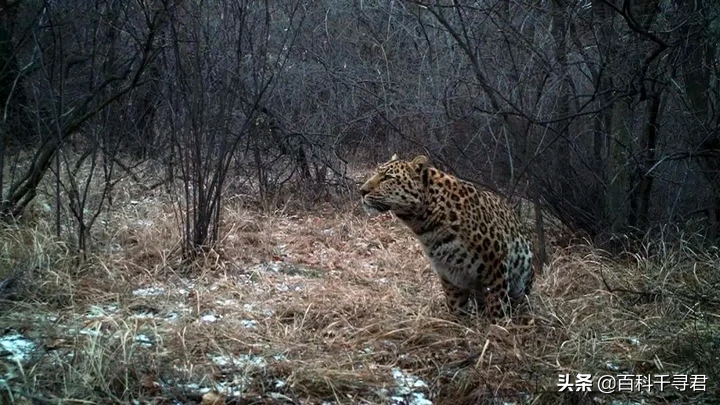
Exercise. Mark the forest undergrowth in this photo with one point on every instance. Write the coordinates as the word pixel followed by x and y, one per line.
pixel 327 305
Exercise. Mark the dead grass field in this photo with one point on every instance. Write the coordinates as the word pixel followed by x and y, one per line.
pixel 331 307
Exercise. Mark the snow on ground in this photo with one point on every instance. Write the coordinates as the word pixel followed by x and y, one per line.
pixel 236 369
pixel 410 389
pixel 16 347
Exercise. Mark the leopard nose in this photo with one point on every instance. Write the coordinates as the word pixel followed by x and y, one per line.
pixel 364 190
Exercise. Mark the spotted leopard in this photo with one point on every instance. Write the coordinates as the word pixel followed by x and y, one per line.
pixel 472 237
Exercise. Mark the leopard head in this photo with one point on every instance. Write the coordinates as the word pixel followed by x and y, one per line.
pixel 395 186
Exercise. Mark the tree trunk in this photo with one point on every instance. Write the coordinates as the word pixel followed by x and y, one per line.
pixel 616 202
pixel 559 31
pixel 698 83
pixel 648 161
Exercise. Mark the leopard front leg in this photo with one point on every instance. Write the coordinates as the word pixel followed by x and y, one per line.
pixel 496 302
pixel 496 297
pixel 456 298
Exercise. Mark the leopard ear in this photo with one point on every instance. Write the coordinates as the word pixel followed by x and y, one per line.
pixel 421 161
pixel 394 157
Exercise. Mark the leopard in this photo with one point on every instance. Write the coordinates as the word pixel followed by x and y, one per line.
pixel 472 236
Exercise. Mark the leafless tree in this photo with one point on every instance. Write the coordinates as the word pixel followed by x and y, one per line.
pixel 577 95
pixel 222 62
pixel 66 75
pixel 601 111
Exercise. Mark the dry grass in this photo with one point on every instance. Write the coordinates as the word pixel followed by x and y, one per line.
pixel 322 306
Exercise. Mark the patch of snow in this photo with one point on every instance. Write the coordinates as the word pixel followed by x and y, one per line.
pixel 148 292
pixel 242 360
pixel 193 387
pixel 97 311
pixel 281 397
pixel 234 388
pixel 246 279
pixel 46 317
pixel 286 288
pixel 145 223
pixel 181 369
pixel 370 266
pixel 254 361
pixel 408 391
pixel 221 360
pixel 415 398
pixel 172 316
pixel 264 312
pixel 249 323
pixel 274 267
pixel 19 347
pixel 209 318
pixel 142 315
pixel 144 340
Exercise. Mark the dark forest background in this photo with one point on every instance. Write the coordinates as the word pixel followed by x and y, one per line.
pixel 601 112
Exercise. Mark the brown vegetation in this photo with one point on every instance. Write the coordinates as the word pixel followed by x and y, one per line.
pixel 313 306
